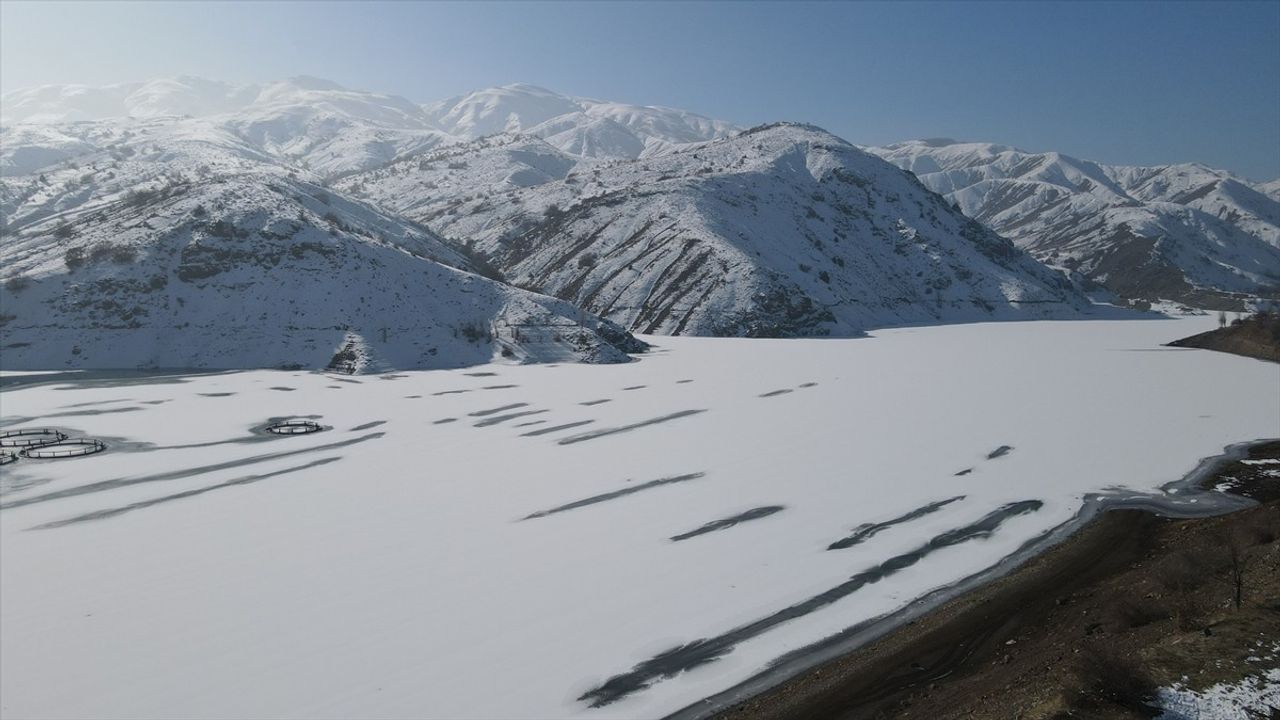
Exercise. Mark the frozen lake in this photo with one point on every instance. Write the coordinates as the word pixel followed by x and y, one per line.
pixel 572 540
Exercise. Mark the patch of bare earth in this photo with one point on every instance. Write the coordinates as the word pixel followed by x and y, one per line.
pixel 1088 629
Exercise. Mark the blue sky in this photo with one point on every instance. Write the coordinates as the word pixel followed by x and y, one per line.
pixel 1126 82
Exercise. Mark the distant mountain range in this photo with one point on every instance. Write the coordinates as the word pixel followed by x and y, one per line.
pixel 1180 232
pixel 186 222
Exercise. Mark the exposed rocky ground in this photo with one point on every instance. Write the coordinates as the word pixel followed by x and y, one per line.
pixel 1092 628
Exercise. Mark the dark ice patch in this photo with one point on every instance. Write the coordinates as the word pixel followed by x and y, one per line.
pixel 556 428
pixel 690 655
pixel 866 530
pixel 726 523
pixel 97 411
pixel 496 419
pixel 112 484
pixel 605 497
pixel 627 428
pixel 112 512
pixel 490 411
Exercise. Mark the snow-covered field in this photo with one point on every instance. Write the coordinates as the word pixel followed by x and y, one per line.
pixel 562 540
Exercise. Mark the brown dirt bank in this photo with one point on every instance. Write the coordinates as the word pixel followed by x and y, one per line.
pixel 1257 336
pixel 1087 629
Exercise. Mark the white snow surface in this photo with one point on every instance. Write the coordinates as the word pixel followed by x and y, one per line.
pixel 393 570
pixel 1225 701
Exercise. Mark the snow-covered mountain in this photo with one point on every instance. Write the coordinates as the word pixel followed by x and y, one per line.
pixel 311 123
pixel 1181 232
pixel 324 127
pixel 174 243
pixel 578 126
pixel 779 230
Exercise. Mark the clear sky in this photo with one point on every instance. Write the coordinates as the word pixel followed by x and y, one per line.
pixel 1126 82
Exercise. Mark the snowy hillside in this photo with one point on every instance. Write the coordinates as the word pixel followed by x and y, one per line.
pixel 780 230
pixel 1182 232
pixel 179 245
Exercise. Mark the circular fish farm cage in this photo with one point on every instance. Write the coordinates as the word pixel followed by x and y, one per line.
pixel 7 457
pixel 31 437
pixel 294 427
pixel 65 449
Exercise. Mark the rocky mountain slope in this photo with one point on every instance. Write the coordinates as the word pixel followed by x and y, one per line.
pixel 1180 232
pixel 173 243
pixel 781 230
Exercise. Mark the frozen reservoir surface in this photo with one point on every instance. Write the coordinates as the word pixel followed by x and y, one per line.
pixel 562 541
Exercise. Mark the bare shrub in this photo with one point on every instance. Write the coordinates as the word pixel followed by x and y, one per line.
pixel 1108 677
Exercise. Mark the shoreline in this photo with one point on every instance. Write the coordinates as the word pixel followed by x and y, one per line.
pixel 865 663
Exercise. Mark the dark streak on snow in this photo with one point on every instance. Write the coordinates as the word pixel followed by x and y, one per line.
pixel 112 512
pixel 481 374
pixel 112 484
pixel 368 425
pixel 449 392
pixel 82 413
pixel 965 471
pixel 218 394
pixel 693 654
pixel 604 497
pixel 96 402
pixel 726 523
pixel 531 422
pixel 496 419
pixel 556 428
pixel 866 530
pixel 442 421
pixel 627 428
pixel 635 387
pixel 282 388
pixel 596 402
pixel 482 413
pixel 999 452
pixel 498 387
pixel 775 393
